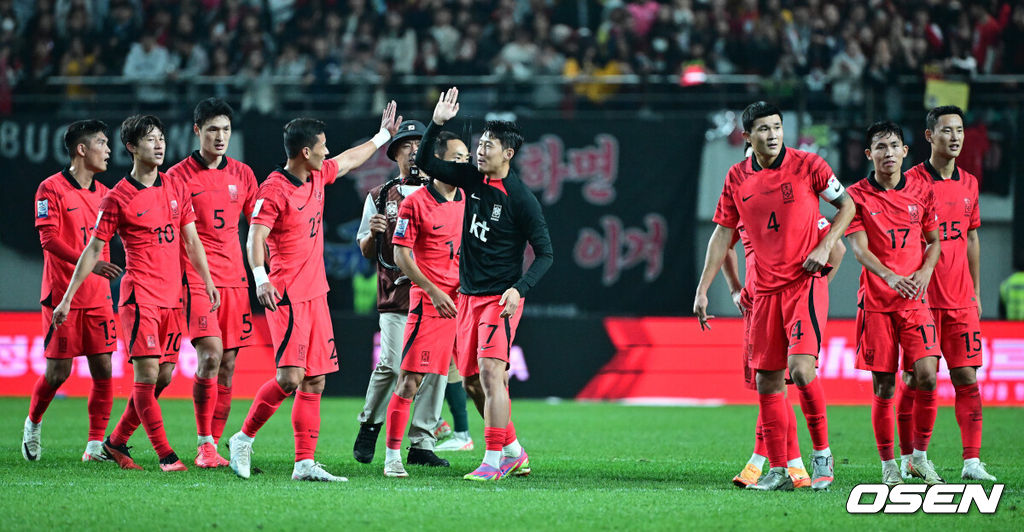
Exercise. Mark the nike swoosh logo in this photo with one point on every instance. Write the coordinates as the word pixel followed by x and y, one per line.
pixel 972 356
pixel 930 347
pixel 246 337
pixel 874 213
pixel 748 197
pixel 72 209
pixel 300 208
pixel 438 226
pixel 474 196
pixel 194 194
pixel 486 347
pixel 143 212
pixel 30 456
pixel 109 344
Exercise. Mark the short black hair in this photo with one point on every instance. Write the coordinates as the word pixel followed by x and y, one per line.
pixel 883 128
pixel 210 108
pixel 933 116
pixel 79 131
pixel 301 133
pixel 137 126
pixel 441 148
pixel 757 110
pixel 507 132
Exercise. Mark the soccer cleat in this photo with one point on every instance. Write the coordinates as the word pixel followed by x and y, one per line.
pixel 314 472
pixel 822 472
pixel 975 470
pixel 776 479
pixel 442 431
pixel 800 477
pixel 94 452
pixel 905 468
pixel 30 447
pixel 748 476
pixel 925 469
pixel 395 469
pixel 460 441
pixel 891 474
pixel 484 473
pixel 119 454
pixel 518 466
pixel 221 461
pixel 241 456
pixel 366 442
pixel 426 457
pixel 172 463
pixel 207 457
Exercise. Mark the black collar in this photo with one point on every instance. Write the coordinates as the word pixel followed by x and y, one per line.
pixel 874 182
pixel 66 172
pixel 290 176
pixel 935 173
pixel 440 197
pixel 139 186
pixel 203 164
pixel 774 166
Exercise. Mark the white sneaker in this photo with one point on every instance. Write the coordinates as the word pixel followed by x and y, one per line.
pixel 905 468
pixel 94 452
pixel 925 469
pixel 974 469
pixel 241 455
pixel 891 474
pixel 460 441
pixel 30 447
pixel 313 471
pixel 395 469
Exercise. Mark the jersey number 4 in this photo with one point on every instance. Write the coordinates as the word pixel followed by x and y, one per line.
pixel 773 222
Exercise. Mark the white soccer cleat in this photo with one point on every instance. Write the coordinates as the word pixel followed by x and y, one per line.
pixel 395 469
pixel 30 447
pixel 460 441
pixel 974 469
pixel 241 456
pixel 314 472
pixel 94 452
pixel 925 470
pixel 891 474
pixel 905 468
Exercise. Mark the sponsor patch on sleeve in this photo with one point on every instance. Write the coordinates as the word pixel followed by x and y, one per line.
pixel 43 208
pixel 256 208
pixel 401 227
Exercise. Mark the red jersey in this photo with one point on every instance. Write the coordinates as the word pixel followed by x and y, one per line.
pixel 895 222
pixel 778 207
pixel 220 197
pixel 149 222
pixel 956 206
pixel 61 203
pixel 293 210
pixel 431 226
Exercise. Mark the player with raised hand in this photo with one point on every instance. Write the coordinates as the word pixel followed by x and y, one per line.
pixel 895 213
pixel 774 194
pixel 287 222
pixel 501 217
pixel 222 191
pixel 150 213
pixel 954 295
pixel 67 204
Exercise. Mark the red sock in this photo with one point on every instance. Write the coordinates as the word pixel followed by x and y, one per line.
pixel 397 419
pixel 510 429
pixel 148 409
pixel 905 416
pixel 759 446
pixel 268 399
pixel 968 416
pixel 494 438
pixel 101 399
pixel 883 419
pixel 220 412
pixel 774 426
pixel 306 424
pixel 42 394
pixel 792 443
pixel 812 402
pixel 203 398
pixel 128 423
pixel 925 409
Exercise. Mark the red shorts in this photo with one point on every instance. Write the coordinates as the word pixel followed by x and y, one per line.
pixel 880 335
pixel 87 331
pixel 232 322
pixel 788 322
pixel 749 374
pixel 153 331
pixel 959 333
pixel 482 333
pixel 429 343
pixel 303 336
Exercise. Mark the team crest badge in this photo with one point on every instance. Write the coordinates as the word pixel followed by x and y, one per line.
pixel 915 213
pixel 202 322
pixel 391 210
pixel 967 207
pixel 787 193
pixel 496 213
pixel 233 192
pixel 150 341
pixel 174 208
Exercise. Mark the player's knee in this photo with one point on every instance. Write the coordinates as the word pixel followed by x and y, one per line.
pixel 99 367
pixel 963 376
pixel 802 376
pixel 926 381
pixel 884 385
pixel 57 377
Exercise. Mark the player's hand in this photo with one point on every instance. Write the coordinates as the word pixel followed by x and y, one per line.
pixel 817 259
pixel 447 106
pixel 268 296
pixel 106 269
pixel 60 314
pixel 510 299
pixel 903 285
pixel 443 303
pixel 214 296
pixel 700 309
pixel 737 299
pixel 388 120
pixel 378 224
pixel 979 307
pixel 921 278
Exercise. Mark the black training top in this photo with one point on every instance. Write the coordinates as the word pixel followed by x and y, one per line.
pixel 501 216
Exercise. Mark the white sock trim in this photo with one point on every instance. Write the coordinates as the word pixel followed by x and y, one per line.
pixel 492 458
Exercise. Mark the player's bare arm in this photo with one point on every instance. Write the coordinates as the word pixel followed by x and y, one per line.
pixel 931 257
pixel 718 245
pixel 974 263
pixel 255 250
pixel 835 258
pixel 731 272
pixel 906 286
pixel 50 241
pixel 354 157
pixel 86 263
pixel 819 256
pixel 197 256
pixel 441 301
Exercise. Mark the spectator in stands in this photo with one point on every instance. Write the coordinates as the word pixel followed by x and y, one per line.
pixel 845 74
pixel 254 80
pixel 120 32
pixel 397 43
pixel 1011 297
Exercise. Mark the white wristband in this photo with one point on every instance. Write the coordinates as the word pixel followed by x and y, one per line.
pixel 259 274
pixel 381 138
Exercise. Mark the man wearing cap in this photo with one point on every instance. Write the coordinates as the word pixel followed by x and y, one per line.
pixel 393 305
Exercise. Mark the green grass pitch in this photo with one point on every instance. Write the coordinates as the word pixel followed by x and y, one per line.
pixel 595 466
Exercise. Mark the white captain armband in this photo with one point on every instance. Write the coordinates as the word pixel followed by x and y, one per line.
pixel 833 189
